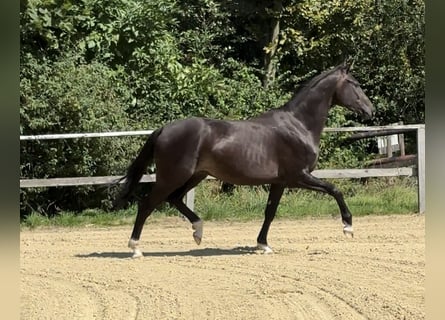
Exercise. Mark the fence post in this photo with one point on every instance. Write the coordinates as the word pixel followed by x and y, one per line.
pixel 421 168
pixel 388 146
pixel 401 141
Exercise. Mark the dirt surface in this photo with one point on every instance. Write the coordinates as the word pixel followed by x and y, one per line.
pixel 314 273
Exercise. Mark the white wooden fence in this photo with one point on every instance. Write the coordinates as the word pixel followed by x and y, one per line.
pixel 326 173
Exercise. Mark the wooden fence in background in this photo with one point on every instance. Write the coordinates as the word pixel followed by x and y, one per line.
pixel 418 171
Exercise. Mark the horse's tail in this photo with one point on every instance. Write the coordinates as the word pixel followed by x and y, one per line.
pixel 137 169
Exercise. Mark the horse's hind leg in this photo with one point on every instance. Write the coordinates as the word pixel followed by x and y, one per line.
pixel 275 193
pixel 194 219
pixel 176 199
pixel 146 206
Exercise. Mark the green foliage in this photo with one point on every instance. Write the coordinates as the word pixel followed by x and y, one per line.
pixel 105 29
pixel 71 96
pixel 107 65
pixel 385 38
pixel 189 71
pixel 395 72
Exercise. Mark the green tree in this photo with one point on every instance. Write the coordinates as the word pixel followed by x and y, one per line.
pixel 385 38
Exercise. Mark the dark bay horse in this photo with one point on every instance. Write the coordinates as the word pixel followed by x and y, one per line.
pixel 279 147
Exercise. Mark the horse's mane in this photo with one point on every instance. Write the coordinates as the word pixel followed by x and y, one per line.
pixel 308 84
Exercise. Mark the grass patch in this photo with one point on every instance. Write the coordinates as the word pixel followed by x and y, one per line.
pixel 378 196
pixel 87 217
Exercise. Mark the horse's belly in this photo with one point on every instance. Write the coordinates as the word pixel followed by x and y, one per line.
pixel 240 170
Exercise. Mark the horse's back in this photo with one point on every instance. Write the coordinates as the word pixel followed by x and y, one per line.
pixel 240 152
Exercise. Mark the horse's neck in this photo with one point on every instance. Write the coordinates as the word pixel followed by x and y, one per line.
pixel 312 110
pixel 308 109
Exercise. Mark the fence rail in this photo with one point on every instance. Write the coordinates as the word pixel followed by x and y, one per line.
pixel 324 174
pixel 395 128
pixel 86 135
pixel 419 172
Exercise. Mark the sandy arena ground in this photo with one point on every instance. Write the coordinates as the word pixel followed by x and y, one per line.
pixel 315 272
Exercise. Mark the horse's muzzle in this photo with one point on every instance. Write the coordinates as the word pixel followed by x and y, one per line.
pixel 368 112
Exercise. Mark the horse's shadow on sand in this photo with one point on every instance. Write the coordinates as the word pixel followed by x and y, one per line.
pixel 205 252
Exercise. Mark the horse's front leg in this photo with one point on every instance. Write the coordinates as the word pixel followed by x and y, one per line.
pixel 275 193
pixel 308 181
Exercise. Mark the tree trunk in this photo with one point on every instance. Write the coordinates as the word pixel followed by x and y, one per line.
pixel 270 47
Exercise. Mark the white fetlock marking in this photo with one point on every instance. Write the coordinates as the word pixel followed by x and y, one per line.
pixel 347 229
pixel 197 235
pixel 133 244
pixel 266 249
pixel 137 254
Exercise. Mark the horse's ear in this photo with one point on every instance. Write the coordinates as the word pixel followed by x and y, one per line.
pixel 344 66
pixel 351 65
pixel 347 65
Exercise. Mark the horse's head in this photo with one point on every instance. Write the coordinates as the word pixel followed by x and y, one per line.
pixel 350 95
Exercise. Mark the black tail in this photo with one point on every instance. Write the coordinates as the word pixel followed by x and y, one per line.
pixel 137 169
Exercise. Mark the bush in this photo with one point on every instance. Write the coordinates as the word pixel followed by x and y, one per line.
pixel 70 96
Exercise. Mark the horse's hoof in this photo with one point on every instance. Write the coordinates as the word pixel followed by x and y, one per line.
pixel 266 249
pixel 137 254
pixel 348 230
pixel 197 235
pixel 197 239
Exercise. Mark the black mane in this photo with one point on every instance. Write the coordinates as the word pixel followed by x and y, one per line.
pixel 308 84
